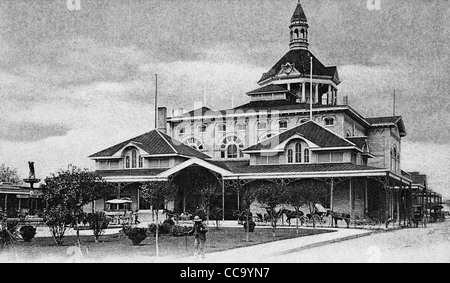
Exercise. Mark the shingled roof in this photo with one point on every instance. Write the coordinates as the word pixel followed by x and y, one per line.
pixel 154 143
pixel 310 131
pixel 301 59
pixel 269 89
pixel 299 14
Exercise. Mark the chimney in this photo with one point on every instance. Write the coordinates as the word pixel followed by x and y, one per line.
pixel 345 99
pixel 162 119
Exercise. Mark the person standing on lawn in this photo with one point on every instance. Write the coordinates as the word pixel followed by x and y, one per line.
pixel 199 230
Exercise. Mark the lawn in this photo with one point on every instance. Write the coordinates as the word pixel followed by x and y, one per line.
pixel 118 248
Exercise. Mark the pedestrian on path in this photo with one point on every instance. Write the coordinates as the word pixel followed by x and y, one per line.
pixel 199 230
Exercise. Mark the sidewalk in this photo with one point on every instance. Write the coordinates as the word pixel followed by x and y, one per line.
pixel 263 253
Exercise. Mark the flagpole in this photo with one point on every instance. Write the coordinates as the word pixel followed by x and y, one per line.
pixel 156 101
pixel 311 91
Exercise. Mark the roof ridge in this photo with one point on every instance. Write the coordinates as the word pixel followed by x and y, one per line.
pixel 171 146
pixel 330 131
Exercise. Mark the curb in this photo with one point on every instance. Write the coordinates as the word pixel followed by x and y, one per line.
pixel 319 244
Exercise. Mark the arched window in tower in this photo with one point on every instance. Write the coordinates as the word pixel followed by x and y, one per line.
pixel 298 152
pixel 292 34
pixel 194 143
pixel 231 147
pixel 133 158
pixel 127 161
pixel 306 155
pixel 290 156
pixel 302 31
pixel 295 33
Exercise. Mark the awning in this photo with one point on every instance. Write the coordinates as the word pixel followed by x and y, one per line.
pixel 119 201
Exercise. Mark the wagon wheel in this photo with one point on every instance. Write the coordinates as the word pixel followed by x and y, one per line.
pixel 315 219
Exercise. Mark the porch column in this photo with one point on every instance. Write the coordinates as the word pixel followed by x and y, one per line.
pixel 316 95
pixel 303 92
pixel 350 202
pixel 331 194
pixel 398 205
pixel 329 95
pixel 6 202
pixel 366 198
pixel 223 200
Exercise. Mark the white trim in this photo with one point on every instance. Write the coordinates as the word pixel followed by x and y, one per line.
pixel 167 142
pixel 190 162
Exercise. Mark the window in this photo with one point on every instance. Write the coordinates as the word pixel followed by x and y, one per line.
pixel 329 121
pixel 141 161
pixel 283 125
pixel 182 131
pixel 298 152
pixel 202 128
pixel 290 156
pixel 306 155
pixel 194 143
pixel 337 157
pixel 158 163
pixel 241 127
pixel 262 126
pixel 302 120
pixel 133 159
pixel 232 151
pixel 127 161
pixel 353 158
pixel 323 157
pixel 348 134
pixel 222 128
pixel 231 147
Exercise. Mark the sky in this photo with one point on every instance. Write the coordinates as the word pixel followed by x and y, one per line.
pixel 78 76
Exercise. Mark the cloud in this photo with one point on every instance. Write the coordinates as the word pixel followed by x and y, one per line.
pixel 29 132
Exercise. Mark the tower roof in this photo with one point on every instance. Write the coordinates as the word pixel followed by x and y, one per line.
pixel 299 14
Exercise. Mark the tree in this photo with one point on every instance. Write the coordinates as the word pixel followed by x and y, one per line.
pixel 65 193
pixel 248 198
pixel 157 193
pixel 209 192
pixel 295 196
pixel 10 175
pixel 270 194
pixel 310 192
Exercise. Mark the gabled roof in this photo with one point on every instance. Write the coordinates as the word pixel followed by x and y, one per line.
pixel 153 143
pixel 311 131
pixel 301 59
pixel 389 120
pixel 299 14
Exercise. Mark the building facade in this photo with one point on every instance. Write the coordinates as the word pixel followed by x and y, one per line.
pixel 293 129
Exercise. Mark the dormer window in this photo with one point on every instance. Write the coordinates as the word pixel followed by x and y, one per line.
pixel 127 161
pixel 262 126
pixel 222 128
pixel 141 161
pixel 133 158
pixel 182 131
pixel 306 156
pixel 295 151
pixel 329 121
pixel 283 124
pixel 202 128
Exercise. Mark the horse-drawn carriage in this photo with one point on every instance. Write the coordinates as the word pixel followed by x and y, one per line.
pixel 419 216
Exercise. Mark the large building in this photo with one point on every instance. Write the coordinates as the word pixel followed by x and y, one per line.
pixel 295 127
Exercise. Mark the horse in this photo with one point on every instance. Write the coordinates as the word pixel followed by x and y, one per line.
pixel 339 216
pixel 292 214
pixel 263 218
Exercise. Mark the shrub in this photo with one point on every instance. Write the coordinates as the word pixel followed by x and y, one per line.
pixel 8 234
pixel 163 229
pixel 98 222
pixel 126 228
pixel 27 232
pixel 137 235
pixel 179 231
pixel 251 226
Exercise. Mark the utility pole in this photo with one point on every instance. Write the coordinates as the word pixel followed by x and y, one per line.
pixel 156 101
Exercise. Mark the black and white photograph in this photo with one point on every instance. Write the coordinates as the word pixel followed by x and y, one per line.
pixel 201 132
